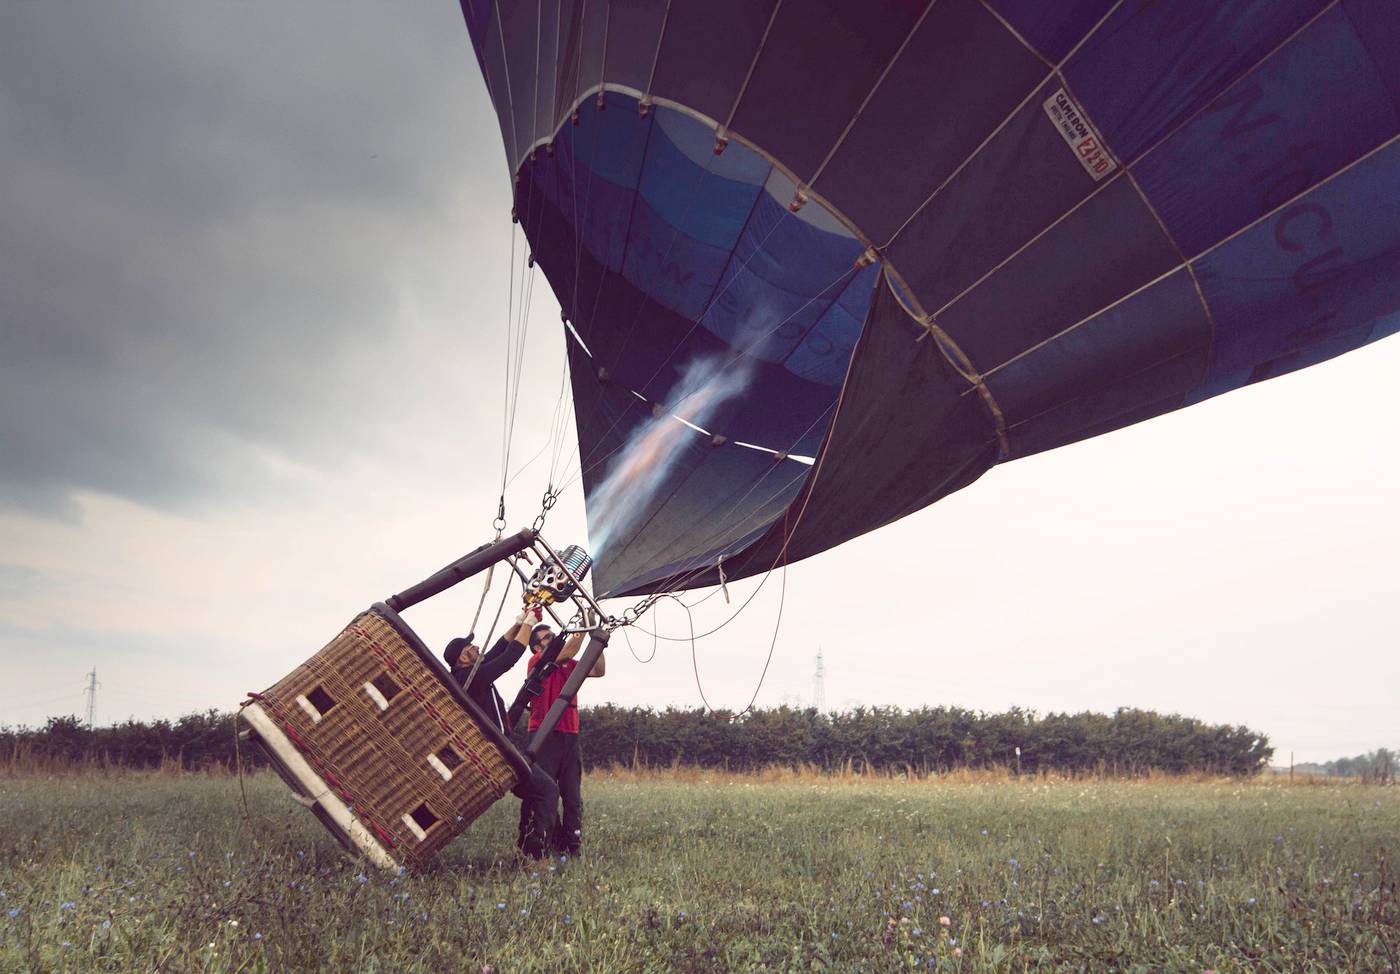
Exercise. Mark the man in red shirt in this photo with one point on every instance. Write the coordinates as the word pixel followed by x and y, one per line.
pixel 559 756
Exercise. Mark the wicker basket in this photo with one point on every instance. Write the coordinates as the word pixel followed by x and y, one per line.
pixel 382 744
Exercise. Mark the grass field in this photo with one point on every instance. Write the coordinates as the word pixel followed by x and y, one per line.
pixel 697 873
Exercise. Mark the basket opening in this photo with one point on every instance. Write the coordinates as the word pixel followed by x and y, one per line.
pixel 385 684
pixel 424 817
pixel 449 757
pixel 321 700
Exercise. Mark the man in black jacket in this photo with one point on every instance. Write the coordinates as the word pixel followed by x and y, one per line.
pixel 539 792
pixel 461 656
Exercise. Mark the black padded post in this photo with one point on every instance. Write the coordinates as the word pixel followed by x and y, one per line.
pixel 462 569
pixel 597 642
pixel 535 681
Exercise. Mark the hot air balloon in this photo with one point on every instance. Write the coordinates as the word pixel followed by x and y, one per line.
pixel 824 262
pixel 918 239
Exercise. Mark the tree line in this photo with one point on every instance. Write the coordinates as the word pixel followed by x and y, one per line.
pixel 1378 766
pixel 863 740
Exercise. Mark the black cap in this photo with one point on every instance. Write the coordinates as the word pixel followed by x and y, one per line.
pixel 453 652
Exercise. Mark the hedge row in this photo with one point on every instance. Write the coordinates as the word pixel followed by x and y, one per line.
pixel 878 739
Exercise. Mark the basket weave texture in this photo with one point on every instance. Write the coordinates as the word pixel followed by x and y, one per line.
pixel 377 759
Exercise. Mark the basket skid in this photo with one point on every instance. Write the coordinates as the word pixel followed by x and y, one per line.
pixel 304 780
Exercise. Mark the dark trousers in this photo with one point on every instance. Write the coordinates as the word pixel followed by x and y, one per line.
pixel 539 804
pixel 561 759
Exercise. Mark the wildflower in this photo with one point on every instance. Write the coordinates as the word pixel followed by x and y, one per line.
pixel 952 941
pixel 361 878
pixel 70 905
pixel 935 891
pixel 944 921
pixel 233 923
pixel 917 932
pixel 957 951
pixel 15 912
pixel 67 944
pixel 257 936
pixel 1251 901
pixel 228 883
pixel 106 924
pixel 500 906
pixel 984 831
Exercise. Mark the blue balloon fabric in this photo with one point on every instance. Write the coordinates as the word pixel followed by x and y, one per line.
pixel 859 253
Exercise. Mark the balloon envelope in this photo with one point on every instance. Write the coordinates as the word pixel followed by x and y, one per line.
pixel 826 262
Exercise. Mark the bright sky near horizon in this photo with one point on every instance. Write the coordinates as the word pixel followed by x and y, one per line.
pixel 253 305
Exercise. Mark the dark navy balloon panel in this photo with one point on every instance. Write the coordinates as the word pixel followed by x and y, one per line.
pixel 1317 278
pixel 934 236
pixel 1316 105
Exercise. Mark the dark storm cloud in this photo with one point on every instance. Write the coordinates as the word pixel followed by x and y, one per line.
pixel 208 214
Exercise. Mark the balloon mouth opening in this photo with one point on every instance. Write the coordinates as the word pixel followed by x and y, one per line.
pixel 741 298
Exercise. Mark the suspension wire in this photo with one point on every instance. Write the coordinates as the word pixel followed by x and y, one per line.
pixel 559 427
pixel 654 646
pixel 772 645
pixel 490 636
pixel 510 328
pixel 522 333
pixel 517 339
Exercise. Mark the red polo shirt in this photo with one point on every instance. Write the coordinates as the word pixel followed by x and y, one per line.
pixel 549 692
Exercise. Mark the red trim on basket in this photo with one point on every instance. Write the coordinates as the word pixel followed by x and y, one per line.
pixel 296 738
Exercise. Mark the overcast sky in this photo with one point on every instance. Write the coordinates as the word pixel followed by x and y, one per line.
pixel 253 305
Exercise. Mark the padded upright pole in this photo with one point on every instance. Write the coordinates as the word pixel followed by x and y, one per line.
pixel 462 569
pixel 534 682
pixel 597 642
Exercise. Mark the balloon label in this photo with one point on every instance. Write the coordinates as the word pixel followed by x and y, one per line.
pixel 1079 135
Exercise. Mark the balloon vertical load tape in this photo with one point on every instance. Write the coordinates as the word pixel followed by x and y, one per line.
pixel 552 583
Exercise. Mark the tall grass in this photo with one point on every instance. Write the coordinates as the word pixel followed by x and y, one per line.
pixel 702 871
